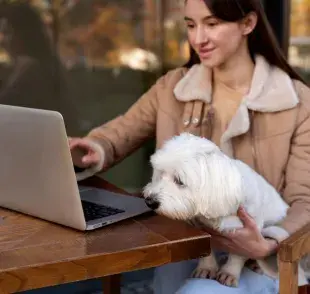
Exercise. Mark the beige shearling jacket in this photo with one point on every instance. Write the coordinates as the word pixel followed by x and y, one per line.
pixel 270 130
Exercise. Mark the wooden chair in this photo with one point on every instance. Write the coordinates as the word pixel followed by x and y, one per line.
pixel 290 252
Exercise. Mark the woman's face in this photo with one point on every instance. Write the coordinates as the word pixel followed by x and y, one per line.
pixel 215 41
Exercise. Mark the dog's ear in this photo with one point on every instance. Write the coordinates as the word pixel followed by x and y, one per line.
pixel 195 143
pixel 209 147
pixel 222 186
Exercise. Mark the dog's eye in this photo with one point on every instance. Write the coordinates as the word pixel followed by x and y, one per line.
pixel 178 181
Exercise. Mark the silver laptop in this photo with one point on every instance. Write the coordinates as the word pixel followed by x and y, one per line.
pixel 37 175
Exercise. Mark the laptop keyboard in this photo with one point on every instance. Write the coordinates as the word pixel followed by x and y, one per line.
pixel 95 211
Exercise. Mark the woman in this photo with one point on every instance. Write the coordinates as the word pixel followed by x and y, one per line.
pixel 239 91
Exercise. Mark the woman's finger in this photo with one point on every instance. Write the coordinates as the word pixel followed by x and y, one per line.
pixel 247 220
pixel 80 144
pixel 90 159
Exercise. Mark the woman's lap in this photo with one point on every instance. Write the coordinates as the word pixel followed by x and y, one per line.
pixel 173 278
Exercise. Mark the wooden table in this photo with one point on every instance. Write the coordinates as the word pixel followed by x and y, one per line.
pixel 36 254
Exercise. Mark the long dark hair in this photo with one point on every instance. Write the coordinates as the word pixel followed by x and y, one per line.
pixel 261 41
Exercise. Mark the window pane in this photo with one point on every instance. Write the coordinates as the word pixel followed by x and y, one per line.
pixel 88 59
pixel 176 45
pixel 111 52
pixel 299 50
pixel 31 72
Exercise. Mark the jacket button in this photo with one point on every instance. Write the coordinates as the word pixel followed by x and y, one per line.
pixel 186 122
pixel 195 121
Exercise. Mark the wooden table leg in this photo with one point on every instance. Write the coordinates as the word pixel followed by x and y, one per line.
pixel 112 284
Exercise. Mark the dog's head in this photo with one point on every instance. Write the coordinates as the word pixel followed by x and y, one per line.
pixel 192 177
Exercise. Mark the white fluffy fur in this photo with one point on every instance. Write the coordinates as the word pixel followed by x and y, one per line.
pixel 193 180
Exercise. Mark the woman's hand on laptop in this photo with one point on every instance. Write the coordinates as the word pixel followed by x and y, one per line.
pixel 84 155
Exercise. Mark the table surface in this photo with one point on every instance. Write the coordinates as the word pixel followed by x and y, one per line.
pixel 35 253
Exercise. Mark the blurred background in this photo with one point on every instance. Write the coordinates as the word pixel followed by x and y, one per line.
pixel 92 59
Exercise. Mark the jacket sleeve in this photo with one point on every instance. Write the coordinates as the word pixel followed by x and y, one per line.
pixel 297 189
pixel 126 133
pixel 297 182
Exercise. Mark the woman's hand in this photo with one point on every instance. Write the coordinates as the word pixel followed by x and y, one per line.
pixel 84 155
pixel 247 241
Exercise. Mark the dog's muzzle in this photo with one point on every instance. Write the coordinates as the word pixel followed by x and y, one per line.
pixel 151 202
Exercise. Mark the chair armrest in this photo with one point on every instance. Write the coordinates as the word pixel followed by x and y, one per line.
pixel 290 252
pixel 296 246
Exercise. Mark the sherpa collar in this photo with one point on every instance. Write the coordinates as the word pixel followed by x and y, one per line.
pixel 271 90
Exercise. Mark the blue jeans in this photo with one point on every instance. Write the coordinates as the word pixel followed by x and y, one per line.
pixel 173 279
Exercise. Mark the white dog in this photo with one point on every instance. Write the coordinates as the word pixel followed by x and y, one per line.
pixel 193 179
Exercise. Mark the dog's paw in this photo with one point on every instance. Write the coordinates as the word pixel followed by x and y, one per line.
pixel 254 266
pixel 207 268
pixel 227 279
pixel 205 273
pixel 229 224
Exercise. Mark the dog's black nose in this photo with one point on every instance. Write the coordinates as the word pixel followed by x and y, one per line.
pixel 152 203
